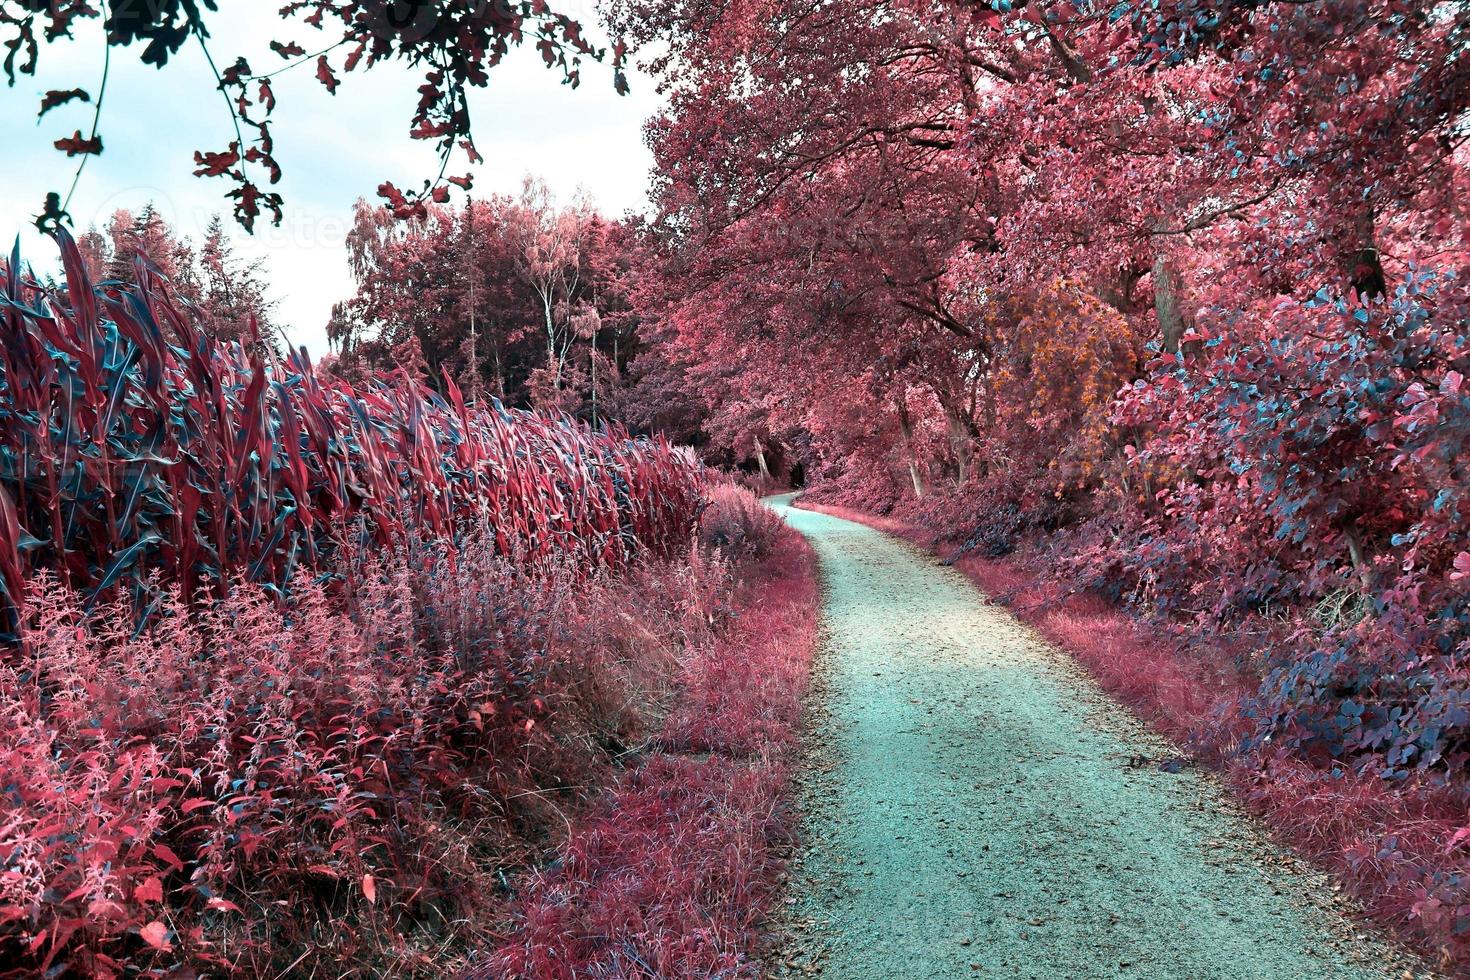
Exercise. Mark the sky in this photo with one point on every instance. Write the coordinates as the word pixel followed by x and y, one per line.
pixel 333 149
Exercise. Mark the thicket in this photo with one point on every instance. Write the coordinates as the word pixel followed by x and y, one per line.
pixel 300 675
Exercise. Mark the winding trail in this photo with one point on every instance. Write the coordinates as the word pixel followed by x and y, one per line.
pixel 974 806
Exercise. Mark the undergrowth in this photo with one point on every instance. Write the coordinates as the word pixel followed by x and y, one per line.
pixel 675 868
pixel 462 757
pixel 296 675
pixel 311 787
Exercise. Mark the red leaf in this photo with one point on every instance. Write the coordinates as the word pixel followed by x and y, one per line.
pixel 12 578
pixel 216 164
pixel 155 934
pixel 151 890
pixel 76 145
pixel 370 888
pixel 165 853
pixel 58 97
pixel 325 75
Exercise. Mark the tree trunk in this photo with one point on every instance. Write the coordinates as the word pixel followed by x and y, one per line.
pixel 1119 293
pixel 553 356
pixel 1361 565
pixel 760 459
pixel 1173 321
pixel 1366 265
pixel 499 375
pixel 905 427
pixel 960 443
pixel 960 428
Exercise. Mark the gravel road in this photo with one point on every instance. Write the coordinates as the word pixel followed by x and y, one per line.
pixel 973 806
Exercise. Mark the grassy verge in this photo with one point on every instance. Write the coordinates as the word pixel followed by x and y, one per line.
pixel 671 873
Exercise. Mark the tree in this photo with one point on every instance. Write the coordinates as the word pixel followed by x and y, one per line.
pixel 95 249
pixel 926 174
pixel 454 44
pixel 147 236
pixel 233 302
pixel 976 224
pixel 550 247
pixel 1177 289
pixel 227 296
pixel 513 296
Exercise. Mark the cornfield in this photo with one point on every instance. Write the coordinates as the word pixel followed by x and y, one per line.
pixel 134 451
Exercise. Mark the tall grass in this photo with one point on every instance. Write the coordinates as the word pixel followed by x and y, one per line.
pixel 134 449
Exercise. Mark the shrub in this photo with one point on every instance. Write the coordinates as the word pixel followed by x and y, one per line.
pixel 737 523
pixel 1295 474
pixel 262 786
pixel 1314 453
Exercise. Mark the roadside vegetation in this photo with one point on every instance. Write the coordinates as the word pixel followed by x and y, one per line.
pixel 1152 315
pixel 303 676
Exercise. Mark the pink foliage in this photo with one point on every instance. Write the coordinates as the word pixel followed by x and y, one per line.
pixel 1169 298
pixel 676 869
pixel 135 446
pixel 255 786
pixel 736 523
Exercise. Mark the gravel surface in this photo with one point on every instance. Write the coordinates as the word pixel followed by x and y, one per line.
pixel 973 805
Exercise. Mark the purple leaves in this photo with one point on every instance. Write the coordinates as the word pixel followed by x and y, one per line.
pixel 133 450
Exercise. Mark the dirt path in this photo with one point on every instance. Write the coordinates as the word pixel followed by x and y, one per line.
pixel 970 810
